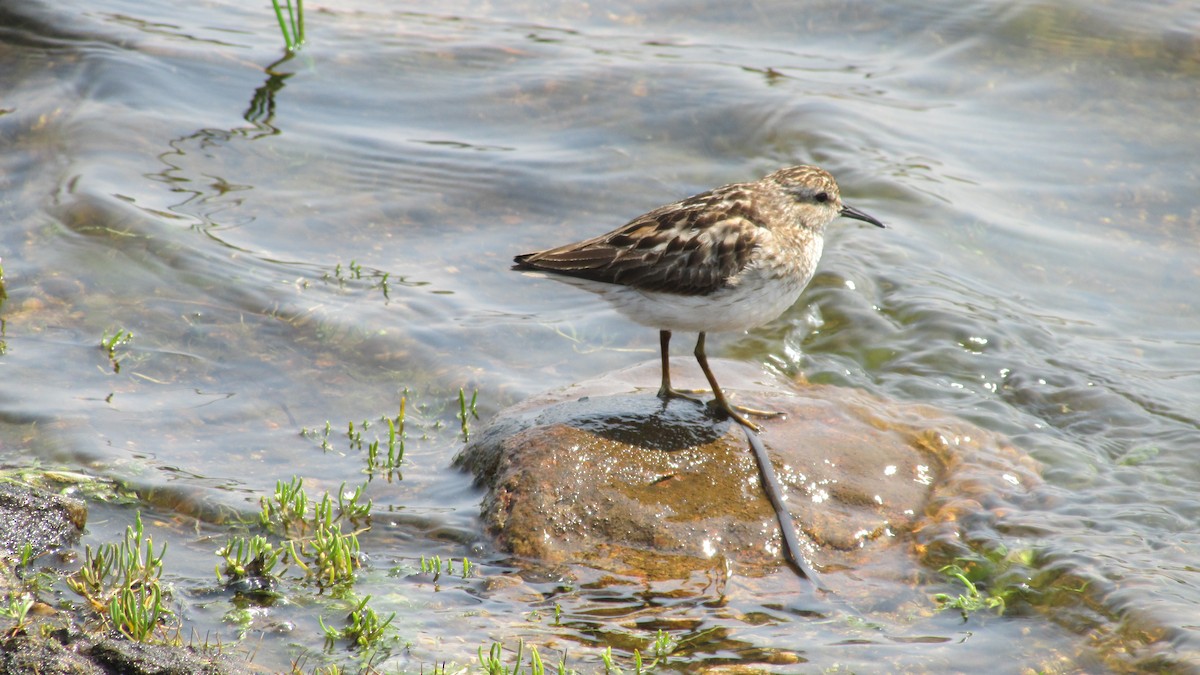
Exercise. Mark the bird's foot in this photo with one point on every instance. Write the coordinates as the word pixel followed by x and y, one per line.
pixel 737 412
pixel 667 393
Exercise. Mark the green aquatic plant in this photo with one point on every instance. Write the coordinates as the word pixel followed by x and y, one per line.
pixel 1138 456
pixel 992 580
pixel 663 646
pixel 464 410
pixel 354 271
pixel 973 600
pixel 432 566
pixel 17 609
pixel 382 285
pixel 310 532
pixel 110 567
pixel 121 582
pixel 27 555
pixel 350 505
pixel 109 344
pixel 136 611
pixel 610 667
pixel 323 435
pixel 364 627
pixel 291 24
pixel 355 436
pixel 287 508
pixel 437 567
pixel 333 555
pixel 383 455
pixel 493 661
pixel 245 558
pixel 395 447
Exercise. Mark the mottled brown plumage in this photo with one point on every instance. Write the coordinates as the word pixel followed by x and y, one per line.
pixel 728 259
pixel 688 248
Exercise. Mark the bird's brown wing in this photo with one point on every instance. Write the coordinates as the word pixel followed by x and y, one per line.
pixel 690 247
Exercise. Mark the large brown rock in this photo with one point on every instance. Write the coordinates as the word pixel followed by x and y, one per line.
pixel 604 473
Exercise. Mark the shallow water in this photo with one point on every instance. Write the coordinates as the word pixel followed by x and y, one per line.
pixel 165 173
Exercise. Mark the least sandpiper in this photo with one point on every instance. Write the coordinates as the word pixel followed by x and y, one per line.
pixel 729 259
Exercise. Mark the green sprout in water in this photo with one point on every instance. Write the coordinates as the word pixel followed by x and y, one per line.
pixel 27 555
pixel 973 600
pixel 352 271
pixel 253 558
pixel 136 611
pixel 395 447
pixel 291 25
pixel 121 581
pixel 383 455
pixel 493 662
pixel 607 657
pixel 310 534
pixel 18 610
pixel 335 554
pixel 464 409
pixel 528 661
pixel 437 567
pixel 998 578
pixel 109 344
pixel 355 436
pixel 383 285
pixel 432 566
pixel 287 508
pixel 663 646
pixel 349 505
pixel 364 627
pixel 323 435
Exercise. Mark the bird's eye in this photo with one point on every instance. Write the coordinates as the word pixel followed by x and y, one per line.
pixel 821 197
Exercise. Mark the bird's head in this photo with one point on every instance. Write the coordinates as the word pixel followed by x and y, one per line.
pixel 815 190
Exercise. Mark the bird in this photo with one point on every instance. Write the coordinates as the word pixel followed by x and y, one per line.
pixel 729 259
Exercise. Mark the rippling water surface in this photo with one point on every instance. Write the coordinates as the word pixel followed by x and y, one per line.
pixel 302 240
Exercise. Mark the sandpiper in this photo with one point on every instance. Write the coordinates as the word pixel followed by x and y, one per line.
pixel 729 259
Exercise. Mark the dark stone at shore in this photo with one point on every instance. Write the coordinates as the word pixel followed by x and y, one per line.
pixel 43 520
pixel 80 655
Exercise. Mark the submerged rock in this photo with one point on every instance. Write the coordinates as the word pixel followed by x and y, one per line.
pixel 604 473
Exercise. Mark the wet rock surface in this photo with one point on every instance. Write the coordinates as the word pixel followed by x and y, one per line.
pixel 76 654
pixel 28 654
pixel 124 656
pixel 42 519
pixel 47 522
pixel 606 474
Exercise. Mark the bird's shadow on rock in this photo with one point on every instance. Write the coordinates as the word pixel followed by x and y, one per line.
pixel 668 426
pixel 636 420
